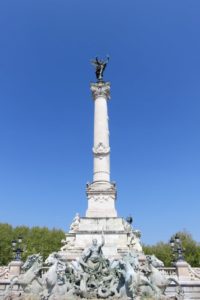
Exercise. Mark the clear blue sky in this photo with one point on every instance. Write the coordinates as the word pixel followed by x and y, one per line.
pixel 46 110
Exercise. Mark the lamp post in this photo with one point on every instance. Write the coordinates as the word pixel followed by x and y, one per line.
pixel 177 249
pixel 16 247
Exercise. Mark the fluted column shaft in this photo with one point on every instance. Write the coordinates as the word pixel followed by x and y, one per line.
pixel 101 193
pixel 101 149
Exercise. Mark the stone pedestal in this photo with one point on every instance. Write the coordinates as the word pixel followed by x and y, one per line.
pixel 101 200
pixel 116 232
pixel 15 268
pixel 182 270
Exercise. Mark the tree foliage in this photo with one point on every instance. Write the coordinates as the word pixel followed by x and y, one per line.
pixel 35 240
pixel 163 250
pixel 191 248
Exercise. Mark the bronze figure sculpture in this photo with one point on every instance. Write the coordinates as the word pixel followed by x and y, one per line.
pixel 100 66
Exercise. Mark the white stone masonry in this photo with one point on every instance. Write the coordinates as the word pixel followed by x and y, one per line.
pixel 101 149
pixel 101 193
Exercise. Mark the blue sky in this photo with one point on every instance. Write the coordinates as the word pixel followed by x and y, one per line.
pixel 46 110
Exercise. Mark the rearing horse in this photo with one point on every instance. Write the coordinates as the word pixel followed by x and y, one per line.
pixel 29 280
pixel 161 281
pixel 54 278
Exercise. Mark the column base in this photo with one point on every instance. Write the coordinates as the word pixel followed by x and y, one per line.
pixel 101 200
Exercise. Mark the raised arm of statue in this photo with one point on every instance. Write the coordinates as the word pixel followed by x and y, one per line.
pixel 95 62
pixel 107 59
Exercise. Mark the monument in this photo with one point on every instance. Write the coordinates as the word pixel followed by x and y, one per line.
pixel 101 256
pixel 101 193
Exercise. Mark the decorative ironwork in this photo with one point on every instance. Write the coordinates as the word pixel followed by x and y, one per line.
pixel 17 248
pixel 177 249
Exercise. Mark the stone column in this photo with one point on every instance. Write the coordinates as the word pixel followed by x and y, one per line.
pixel 101 192
pixel 101 149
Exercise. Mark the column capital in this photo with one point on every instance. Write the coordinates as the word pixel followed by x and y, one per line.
pixel 100 89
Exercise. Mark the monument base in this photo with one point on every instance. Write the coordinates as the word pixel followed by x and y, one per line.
pixel 119 237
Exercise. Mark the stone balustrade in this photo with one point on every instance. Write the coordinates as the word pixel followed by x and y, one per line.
pixel 169 272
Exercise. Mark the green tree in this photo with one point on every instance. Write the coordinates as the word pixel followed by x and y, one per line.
pixel 43 241
pixel 161 251
pixel 35 240
pixel 191 248
pixel 6 236
pixel 164 252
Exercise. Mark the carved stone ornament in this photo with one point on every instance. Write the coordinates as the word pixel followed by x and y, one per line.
pixel 68 243
pixel 100 89
pixel 127 226
pixel 101 149
pixel 101 198
pixel 134 241
pixel 75 223
pixel 106 187
pixel 4 272
pixel 194 273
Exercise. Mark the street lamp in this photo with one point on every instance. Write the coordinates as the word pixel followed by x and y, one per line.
pixel 177 248
pixel 16 247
